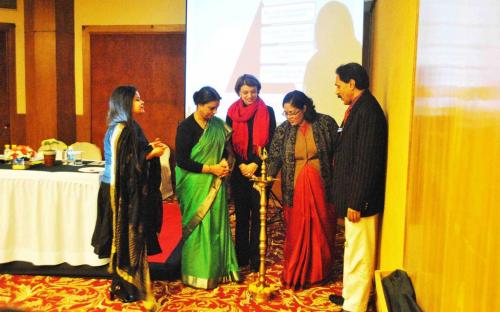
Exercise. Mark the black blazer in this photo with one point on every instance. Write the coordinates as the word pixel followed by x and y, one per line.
pixel 359 160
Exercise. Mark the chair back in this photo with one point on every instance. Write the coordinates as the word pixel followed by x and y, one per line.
pixel 89 150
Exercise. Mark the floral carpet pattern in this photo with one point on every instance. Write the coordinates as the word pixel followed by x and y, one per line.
pixel 50 293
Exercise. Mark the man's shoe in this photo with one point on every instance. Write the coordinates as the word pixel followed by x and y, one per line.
pixel 338 300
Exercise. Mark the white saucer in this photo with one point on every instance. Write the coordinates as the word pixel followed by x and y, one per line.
pixel 91 169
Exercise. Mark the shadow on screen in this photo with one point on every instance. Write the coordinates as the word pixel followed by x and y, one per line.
pixel 336 44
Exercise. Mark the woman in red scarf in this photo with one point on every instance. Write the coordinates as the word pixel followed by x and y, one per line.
pixel 253 124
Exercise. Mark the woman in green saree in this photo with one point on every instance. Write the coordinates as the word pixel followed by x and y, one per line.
pixel 208 254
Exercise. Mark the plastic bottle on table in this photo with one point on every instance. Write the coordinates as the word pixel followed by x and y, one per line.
pixel 70 156
pixel 6 152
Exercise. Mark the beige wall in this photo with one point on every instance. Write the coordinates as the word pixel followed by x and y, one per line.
pixel 452 238
pixel 441 93
pixel 392 79
pixel 17 17
pixel 120 12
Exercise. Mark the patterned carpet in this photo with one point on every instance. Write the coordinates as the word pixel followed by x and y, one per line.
pixel 50 293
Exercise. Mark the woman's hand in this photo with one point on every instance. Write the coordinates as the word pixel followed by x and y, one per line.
pixel 158 149
pixel 252 167
pixel 248 170
pixel 243 168
pixel 217 170
pixel 224 163
pixel 156 142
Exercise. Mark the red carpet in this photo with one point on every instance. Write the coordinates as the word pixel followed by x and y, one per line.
pixel 171 234
pixel 49 293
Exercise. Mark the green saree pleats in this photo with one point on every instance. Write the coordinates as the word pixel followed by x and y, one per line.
pixel 208 254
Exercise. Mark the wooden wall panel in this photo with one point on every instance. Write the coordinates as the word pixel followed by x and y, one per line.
pixel 17 123
pixel 65 71
pixel 29 43
pixel 44 13
pixel 41 112
pixel 49 48
pixel 452 238
pixel 155 64
pixel 4 89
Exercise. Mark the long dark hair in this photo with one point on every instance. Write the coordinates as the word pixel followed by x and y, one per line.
pixel 120 105
pixel 120 111
pixel 299 100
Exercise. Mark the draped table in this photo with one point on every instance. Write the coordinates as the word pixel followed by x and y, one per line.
pixel 47 215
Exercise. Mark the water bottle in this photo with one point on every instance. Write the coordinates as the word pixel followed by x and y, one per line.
pixel 70 156
pixel 6 152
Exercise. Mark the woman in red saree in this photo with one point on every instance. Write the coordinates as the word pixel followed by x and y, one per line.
pixel 302 147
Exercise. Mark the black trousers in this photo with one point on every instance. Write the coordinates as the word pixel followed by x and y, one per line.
pixel 247 205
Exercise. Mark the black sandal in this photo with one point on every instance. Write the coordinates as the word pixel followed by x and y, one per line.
pixel 115 291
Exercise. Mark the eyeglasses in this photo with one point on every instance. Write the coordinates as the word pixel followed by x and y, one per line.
pixel 289 114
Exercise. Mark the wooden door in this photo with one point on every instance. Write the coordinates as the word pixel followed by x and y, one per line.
pixel 155 64
pixel 7 85
pixel 4 104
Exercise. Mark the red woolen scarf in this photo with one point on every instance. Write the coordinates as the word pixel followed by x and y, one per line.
pixel 240 114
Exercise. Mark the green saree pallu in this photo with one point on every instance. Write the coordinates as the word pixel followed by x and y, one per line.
pixel 208 254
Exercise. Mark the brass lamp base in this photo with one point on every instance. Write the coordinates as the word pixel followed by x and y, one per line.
pixel 261 293
pixel 258 290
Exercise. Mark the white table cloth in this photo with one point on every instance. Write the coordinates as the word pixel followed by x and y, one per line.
pixel 47 218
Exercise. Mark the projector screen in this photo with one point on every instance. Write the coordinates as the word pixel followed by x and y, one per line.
pixel 286 44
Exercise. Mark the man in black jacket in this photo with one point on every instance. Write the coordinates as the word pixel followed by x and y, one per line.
pixel 358 182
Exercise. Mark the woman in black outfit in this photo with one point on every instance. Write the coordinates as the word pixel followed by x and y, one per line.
pixel 129 204
pixel 253 124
